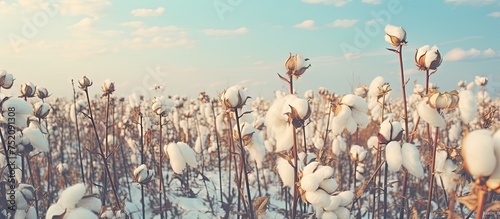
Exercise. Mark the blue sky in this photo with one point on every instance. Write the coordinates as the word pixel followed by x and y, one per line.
pixel 191 46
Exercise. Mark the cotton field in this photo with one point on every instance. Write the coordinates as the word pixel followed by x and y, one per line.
pixel 372 153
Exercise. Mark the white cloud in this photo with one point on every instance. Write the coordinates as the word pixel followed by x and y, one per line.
pixel 337 3
pixel 132 24
pixel 158 42
pixel 155 30
pixel 6 8
pixel 344 23
pixel 374 2
pixel 111 33
pixel 458 54
pixel 144 12
pixel 307 24
pixel 412 71
pixel 84 23
pixel 83 7
pixel 494 14
pixel 221 32
pixel 471 2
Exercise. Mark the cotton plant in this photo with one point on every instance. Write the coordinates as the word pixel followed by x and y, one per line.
pixel 318 188
pixel 446 177
pixel 252 141
pixel 278 125
pixel 358 155
pixel 378 88
pixel 349 114
pixel 73 203
pixel 180 154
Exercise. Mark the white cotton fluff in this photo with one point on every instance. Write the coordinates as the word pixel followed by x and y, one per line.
pixel 318 142
pixel 374 85
pixel 338 145
pixel 430 115
pixel 54 210
pixel 360 118
pixel 21 202
pixel 188 154
pixel 318 211
pixel 440 160
pixel 71 196
pixel 343 115
pixel 346 197
pixel 176 159
pixel 351 125
pixel 479 153
pixel 494 180
pixel 233 94
pixel 256 149
pixel 454 132
pixel 328 215
pixel 310 168
pixel 21 109
pixel 390 129
pixel 285 170
pixel 355 102
pixel 318 198
pixel 310 183
pixel 91 202
pixel 342 213
pixel 277 123
pixel 199 144
pixel 467 104
pixel 141 172
pixel 301 105
pixel 358 153
pixel 372 142
pixel 334 203
pixel 324 171
pixel 36 138
pixel 329 185
pixel 448 177
pixel 393 156
pixel 81 213
pixel 411 160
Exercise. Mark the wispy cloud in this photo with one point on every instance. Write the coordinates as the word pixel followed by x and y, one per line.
pixel 83 7
pixel 145 12
pixel 337 3
pixel 222 32
pixel 344 23
pixel 374 21
pixel 458 54
pixel 132 24
pixel 307 24
pixel 461 40
pixel 471 2
pixel 84 24
pixel 155 30
pixel 494 14
pixel 374 2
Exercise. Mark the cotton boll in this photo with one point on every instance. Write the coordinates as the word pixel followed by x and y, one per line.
pixel 360 118
pixel 374 85
pixel 256 149
pixel 324 171
pixel 342 213
pixel 21 202
pixel 318 198
pixel 310 168
pixel 355 102
pixel 430 115
pixel 91 202
pixel 328 215
pixel 346 198
pixel 318 211
pixel 338 145
pixel 494 180
pixel 454 132
pixel 176 159
pixel 479 153
pixel 393 156
pixel 372 142
pixel 351 125
pixel 411 160
pixel 467 104
pixel 188 154
pixel 334 203
pixel 342 115
pixel 318 143
pixel 81 213
pixel 440 160
pixel 54 210
pixel 390 130
pixel 36 138
pixel 71 196
pixel 284 170
pixel 302 107
pixel 448 177
pixel 329 185
pixel 310 182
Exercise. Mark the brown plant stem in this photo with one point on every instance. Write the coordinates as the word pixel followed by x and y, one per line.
pixel 160 186
pixel 243 160
pixel 431 173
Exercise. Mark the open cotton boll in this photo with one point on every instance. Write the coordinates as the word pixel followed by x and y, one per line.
pixel 91 202
pixel 256 149
pixel 494 180
pixel 310 168
pixel 277 123
pixel 199 144
pixel 351 125
pixel 318 198
pixel 302 107
pixel 80 213
pixel 355 102
pixel 411 160
pixel 448 177
pixel 311 182
pixel 440 160
pixel 328 215
pixel 324 171
pixel 318 142
pixel 233 94
pixel 284 170
pixel 36 138
pixel 329 185
pixel 372 142
pixel 390 130
pixel 374 85
pixel 71 196
pixel 306 158
pixel 393 156
pixel 176 159
pixel 318 211
pixel 334 203
pixel 346 197
pixel 467 104
pixel 360 118
pixel 430 115
pixel 188 154
pixel 342 115
pixel 358 153
pixel 479 153
pixel 454 132
pixel 342 213
pixel 54 210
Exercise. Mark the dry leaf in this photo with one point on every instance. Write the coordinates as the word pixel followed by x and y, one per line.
pixel 470 201
pixel 260 205
pixel 493 206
